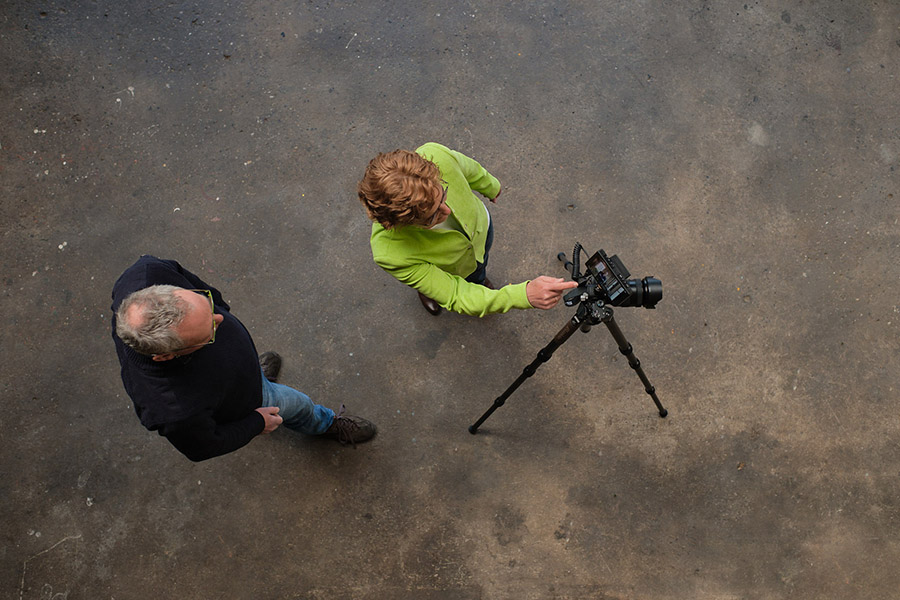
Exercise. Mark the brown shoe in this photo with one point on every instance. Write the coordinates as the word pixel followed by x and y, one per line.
pixel 271 365
pixel 429 304
pixel 348 429
pixel 487 283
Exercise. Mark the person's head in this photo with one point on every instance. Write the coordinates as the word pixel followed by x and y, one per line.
pixel 164 321
pixel 401 188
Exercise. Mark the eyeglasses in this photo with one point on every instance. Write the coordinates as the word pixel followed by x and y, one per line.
pixel 212 310
pixel 434 216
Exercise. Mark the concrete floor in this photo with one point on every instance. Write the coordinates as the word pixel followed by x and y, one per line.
pixel 744 153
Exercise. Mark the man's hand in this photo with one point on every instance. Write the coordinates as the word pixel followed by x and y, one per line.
pixel 270 414
pixel 494 199
pixel 545 292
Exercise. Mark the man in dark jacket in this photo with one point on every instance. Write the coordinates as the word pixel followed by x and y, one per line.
pixel 193 372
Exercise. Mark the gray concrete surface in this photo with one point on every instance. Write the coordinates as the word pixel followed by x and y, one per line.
pixel 744 153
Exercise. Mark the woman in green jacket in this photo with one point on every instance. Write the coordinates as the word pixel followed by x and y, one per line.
pixel 432 233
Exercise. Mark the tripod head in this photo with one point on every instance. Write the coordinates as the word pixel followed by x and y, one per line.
pixel 606 282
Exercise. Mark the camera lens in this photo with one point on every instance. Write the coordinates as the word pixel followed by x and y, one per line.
pixel 645 292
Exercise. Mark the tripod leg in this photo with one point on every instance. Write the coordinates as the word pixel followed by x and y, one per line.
pixel 542 357
pixel 633 362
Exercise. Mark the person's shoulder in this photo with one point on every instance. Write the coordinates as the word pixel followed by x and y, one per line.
pixel 163 267
pixel 393 248
pixel 149 263
pixel 382 237
pixel 149 259
pixel 433 150
pixel 146 271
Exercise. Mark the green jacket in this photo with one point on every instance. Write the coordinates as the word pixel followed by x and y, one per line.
pixel 436 261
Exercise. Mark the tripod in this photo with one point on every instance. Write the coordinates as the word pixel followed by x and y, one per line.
pixel 591 311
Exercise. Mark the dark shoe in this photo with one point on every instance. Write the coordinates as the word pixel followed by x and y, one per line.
pixel 429 304
pixel 348 429
pixel 271 365
pixel 487 283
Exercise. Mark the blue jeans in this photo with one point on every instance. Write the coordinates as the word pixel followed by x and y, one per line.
pixel 480 273
pixel 297 410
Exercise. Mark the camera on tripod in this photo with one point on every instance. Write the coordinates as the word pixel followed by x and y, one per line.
pixel 605 285
pixel 606 280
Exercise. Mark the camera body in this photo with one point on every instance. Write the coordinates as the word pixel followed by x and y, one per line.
pixel 606 280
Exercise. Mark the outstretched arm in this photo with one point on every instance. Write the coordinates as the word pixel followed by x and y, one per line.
pixel 456 294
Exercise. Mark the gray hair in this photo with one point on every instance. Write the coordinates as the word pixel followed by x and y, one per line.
pixel 159 313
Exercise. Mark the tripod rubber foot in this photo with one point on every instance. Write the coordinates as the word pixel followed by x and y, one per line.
pixel 473 430
pixel 663 413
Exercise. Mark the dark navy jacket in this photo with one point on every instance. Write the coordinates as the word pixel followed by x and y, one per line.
pixel 204 403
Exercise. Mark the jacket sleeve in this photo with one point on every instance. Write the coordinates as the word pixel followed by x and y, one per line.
pixel 456 294
pixel 200 437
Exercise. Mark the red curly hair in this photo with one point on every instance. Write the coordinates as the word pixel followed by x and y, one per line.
pixel 399 188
